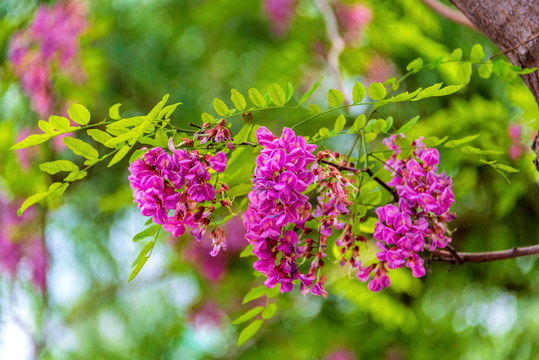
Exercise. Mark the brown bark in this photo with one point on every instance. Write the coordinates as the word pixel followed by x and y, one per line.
pixel 513 26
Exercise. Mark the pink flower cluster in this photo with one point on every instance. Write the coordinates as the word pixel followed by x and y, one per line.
pixel 52 38
pixel 217 133
pixel 419 220
pixel 177 183
pixel 17 243
pixel 276 201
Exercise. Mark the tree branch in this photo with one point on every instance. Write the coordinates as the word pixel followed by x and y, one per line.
pixel 478 257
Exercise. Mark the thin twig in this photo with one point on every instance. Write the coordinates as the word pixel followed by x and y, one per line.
pixel 448 13
pixel 534 36
pixel 477 257
pixel 337 43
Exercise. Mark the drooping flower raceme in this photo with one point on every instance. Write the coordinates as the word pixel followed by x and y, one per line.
pixel 170 187
pixel 277 204
pixel 419 220
pixel 52 39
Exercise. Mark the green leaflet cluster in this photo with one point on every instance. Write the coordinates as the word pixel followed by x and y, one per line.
pixel 118 134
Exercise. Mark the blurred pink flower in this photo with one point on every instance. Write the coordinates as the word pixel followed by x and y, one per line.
pixel 379 70
pixel 279 14
pixel 340 354
pixel 52 37
pixel 27 155
pixel 516 147
pixel 17 241
pixel 353 19
pixel 213 268
pixel 206 314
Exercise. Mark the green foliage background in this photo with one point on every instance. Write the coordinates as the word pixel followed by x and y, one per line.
pixel 136 51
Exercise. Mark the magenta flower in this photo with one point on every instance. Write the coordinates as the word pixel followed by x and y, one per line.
pixel 419 220
pixel 218 162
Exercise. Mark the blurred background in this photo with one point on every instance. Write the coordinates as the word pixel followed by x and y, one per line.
pixel 64 269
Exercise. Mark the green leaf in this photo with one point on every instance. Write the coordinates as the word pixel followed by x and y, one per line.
pixel 238 100
pixel 114 112
pixel 415 65
pixel 31 201
pixel 124 123
pixel 360 121
pixel 455 143
pixel 485 70
pixel 277 94
pixel 100 136
pixel 451 89
pixel 207 118
pixel 269 312
pixel 370 137
pixel 167 111
pixel 255 293
pixel 30 141
pixel 53 167
pixel 310 92
pixel 220 107
pixel 119 155
pixel 81 148
pixel 377 91
pixel 379 126
pixel 477 151
pixel 57 189
pixel 522 71
pixel 500 69
pixel 506 168
pixel 161 138
pixel 358 92
pixel 257 98
pixel 335 98
pixel 46 127
pixel 239 190
pixel 137 154
pixel 456 55
pixel 146 233
pixel 145 250
pixel 248 251
pixel 370 124
pixel 340 123
pixel 323 132
pixel 389 124
pixel 428 92
pixel 79 114
pixel 249 331
pixel 128 136
pixel 289 91
pixel 408 125
pixel 315 109
pixel 157 108
pixel 435 90
pixel 137 268
pixel 60 123
pixel 76 175
pixel 243 134
pixel 464 72
pixel 477 54
pixel 248 315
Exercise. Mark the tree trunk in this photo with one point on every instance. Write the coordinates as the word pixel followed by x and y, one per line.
pixel 513 26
